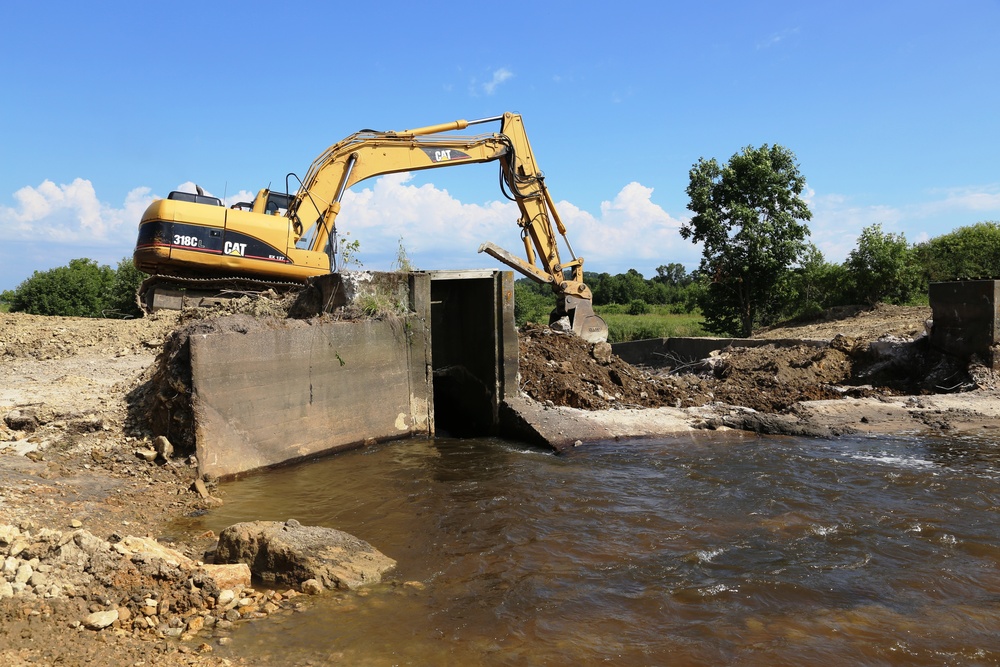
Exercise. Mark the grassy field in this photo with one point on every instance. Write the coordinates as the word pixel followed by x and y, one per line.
pixel 656 324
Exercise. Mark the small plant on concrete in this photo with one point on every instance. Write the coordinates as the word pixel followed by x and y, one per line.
pixel 402 263
pixel 349 253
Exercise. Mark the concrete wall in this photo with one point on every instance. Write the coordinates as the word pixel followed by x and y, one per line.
pixel 271 396
pixel 966 319
pixel 658 352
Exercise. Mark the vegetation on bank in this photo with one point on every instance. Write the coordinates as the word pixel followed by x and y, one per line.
pixel 83 288
pixel 882 268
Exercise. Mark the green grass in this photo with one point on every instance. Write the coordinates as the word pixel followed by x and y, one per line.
pixel 656 324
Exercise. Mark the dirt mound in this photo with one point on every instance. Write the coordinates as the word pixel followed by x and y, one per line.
pixel 565 370
pixel 856 322
pixel 560 369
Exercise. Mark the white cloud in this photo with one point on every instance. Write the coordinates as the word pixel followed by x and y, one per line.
pixel 441 232
pixel 776 38
pixel 490 87
pixel 71 214
pixel 837 221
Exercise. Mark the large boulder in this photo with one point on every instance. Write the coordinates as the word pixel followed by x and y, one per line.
pixel 289 553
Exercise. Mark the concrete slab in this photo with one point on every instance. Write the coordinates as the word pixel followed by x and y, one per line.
pixel 563 428
pixel 658 352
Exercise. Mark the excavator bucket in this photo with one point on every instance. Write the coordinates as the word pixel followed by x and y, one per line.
pixel 585 322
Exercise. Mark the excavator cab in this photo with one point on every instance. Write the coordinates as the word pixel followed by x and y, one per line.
pixel 195 198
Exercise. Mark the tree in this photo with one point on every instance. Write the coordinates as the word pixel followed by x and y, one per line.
pixel 882 267
pixel 672 274
pixel 748 216
pixel 121 301
pixel 81 289
pixel 965 253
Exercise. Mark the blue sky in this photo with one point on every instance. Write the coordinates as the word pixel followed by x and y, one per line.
pixel 890 107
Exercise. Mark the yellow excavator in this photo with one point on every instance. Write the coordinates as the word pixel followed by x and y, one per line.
pixel 193 242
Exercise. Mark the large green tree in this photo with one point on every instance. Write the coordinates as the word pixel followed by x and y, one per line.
pixel 749 217
pixel 882 267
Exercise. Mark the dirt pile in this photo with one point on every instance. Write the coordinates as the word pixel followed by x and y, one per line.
pixel 560 369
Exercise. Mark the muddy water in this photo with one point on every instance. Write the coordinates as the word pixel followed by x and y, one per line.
pixel 740 551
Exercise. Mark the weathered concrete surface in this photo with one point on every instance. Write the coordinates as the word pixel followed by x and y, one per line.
pixel 563 428
pixel 274 395
pixel 967 319
pixel 657 352
pixel 289 553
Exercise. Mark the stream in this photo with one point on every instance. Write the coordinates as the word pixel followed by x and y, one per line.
pixel 715 549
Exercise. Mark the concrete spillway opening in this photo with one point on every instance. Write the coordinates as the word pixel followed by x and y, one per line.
pixel 474 349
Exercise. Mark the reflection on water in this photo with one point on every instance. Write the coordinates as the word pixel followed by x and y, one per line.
pixel 739 551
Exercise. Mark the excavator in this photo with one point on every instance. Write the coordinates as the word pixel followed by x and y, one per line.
pixel 193 242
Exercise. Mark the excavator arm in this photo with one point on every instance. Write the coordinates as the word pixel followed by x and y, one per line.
pixel 367 153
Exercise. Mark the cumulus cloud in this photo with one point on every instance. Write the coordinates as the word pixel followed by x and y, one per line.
pixel 441 232
pixel 70 213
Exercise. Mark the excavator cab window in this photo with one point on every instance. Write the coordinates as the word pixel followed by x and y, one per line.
pixel 277 203
pixel 195 199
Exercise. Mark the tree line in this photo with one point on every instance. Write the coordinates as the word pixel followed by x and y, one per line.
pixel 882 268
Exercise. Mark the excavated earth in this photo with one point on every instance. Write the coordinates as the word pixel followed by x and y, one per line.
pixel 79 465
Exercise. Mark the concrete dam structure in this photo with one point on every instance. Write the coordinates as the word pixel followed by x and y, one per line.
pixel 268 396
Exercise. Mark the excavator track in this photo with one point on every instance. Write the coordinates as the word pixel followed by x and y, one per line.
pixel 176 293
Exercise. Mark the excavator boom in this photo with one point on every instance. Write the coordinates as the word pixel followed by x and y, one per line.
pixel 294 237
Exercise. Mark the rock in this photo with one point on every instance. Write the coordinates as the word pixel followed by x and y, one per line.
pixel 602 352
pixel 199 487
pixel 225 597
pixel 76 523
pixel 23 573
pixel 89 543
pixel 195 625
pixel 6 590
pixel 147 547
pixel 124 614
pixel 22 419
pixel 146 454
pixel 311 587
pixel 289 553
pixel 228 576
pixel 7 534
pixel 163 447
pixel 100 619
